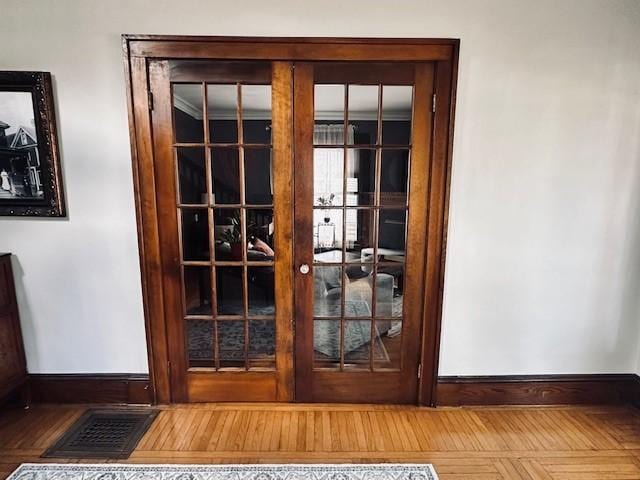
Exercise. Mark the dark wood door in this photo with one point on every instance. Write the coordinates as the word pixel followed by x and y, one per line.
pixel 223 179
pixel 362 153
pixel 230 194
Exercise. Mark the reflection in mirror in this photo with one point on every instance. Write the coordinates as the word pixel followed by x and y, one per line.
pixel 359 234
pixel 363 114
pixel 187 112
pixel 222 105
pixel 326 344
pixel 195 234
pixel 262 341
pixel 361 168
pixel 200 343
pixel 261 291
pixel 328 175
pixel 231 338
pixel 396 114
pixel 229 287
pixel 357 344
pixel 260 234
pixel 394 177
pixel 225 171
pixel 391 234
pixel 227 234
pixel 387 346
pixel 256 114
pixel 197 290
pixel 257 176
pixel 358 293
pixel 327 235
pixel 192 177
pixel 327 291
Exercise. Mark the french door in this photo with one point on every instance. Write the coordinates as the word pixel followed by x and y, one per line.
pixel 223 171
pixel 362 141
pixel 291 217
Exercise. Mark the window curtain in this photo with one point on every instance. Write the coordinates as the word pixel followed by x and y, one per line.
pixel 328 174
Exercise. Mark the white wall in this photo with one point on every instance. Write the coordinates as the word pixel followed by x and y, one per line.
pixel 543 267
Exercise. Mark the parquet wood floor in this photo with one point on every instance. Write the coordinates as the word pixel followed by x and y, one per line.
pixel 522 443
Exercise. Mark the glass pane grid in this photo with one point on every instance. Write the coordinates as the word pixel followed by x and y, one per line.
pixel 226 205
pixel 225 318
pixel 359 328
pixel 354 146
pixel 352 317
pixel 222 102
pixel 375 103
pixel 220 169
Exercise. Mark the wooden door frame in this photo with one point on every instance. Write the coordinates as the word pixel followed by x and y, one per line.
pixel 139 50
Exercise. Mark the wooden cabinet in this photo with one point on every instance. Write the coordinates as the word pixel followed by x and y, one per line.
pixel 13 368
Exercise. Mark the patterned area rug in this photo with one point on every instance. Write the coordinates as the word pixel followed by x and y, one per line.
pixel 44 471
pixel 200 335
pixel 262 333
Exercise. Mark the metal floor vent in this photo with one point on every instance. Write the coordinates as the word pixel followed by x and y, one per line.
pixel 103 434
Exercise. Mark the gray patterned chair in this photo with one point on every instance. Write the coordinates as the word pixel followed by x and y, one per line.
pixel 327 296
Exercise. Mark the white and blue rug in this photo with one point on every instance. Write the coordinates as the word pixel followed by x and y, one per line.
pixel 380 471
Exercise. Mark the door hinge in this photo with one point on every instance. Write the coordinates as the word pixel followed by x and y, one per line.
pixel 433 104
pixel 419 370
pixel 150 100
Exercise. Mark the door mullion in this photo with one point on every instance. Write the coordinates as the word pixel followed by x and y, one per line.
pixel 282 128
pixel 303 238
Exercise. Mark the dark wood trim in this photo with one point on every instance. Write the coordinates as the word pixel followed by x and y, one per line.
pixel 167 225
pixel 303 244
pixel 539 389
pixel 634 391
pixel 422 154
pixel 91 388
pixel 146 215
pixel 438 214
pixel 452 391
pixel 138 206
pixel 282 85
pixel 290 48
pixel 304 40
pixel 433 337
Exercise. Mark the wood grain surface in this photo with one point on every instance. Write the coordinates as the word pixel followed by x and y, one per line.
pixel 527 443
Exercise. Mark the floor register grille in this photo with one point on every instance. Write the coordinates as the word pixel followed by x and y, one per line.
pixel 112 433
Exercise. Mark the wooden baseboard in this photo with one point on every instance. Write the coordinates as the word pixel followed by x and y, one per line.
pixel 634 391
pixel 539 390
pixel 91 388
pixel 451 391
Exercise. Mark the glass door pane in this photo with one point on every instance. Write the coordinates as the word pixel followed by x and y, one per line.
pixel 361 224
pixel 224 181
pixel 228 275
pixel 359 242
